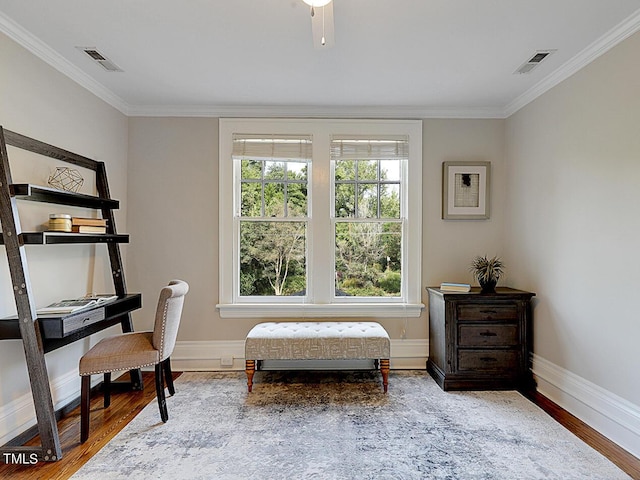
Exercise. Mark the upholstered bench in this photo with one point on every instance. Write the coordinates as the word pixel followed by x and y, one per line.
pixel 317 341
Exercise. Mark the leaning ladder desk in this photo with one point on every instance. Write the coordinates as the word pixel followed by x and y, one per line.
pixel 29 326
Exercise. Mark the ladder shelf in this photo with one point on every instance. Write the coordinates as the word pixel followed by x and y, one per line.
pixel 26 325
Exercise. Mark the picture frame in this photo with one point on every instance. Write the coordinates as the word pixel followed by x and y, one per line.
pixel 466 190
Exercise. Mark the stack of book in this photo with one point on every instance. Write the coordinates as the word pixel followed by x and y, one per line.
pixel 59 222
pixel 455 287
pixel 88 225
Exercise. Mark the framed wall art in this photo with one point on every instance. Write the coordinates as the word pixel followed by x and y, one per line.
pixel 465 190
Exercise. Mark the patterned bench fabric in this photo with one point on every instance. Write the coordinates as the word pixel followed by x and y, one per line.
pixel 317 341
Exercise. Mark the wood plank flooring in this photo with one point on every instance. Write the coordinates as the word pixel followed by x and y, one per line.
pixel 105 424
pixel 623 459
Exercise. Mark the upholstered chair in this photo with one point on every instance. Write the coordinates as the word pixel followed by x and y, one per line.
pixel 129 351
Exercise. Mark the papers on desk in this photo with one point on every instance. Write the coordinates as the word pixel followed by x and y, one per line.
pixel 73 305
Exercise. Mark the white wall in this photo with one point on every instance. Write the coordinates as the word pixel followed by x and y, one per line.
pixel 40 102
pixel 572 232
pixel 173 219
pixel 450 245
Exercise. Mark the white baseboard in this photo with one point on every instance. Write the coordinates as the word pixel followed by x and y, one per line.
pixel 612 416
pixel 19 415
pixel 197 356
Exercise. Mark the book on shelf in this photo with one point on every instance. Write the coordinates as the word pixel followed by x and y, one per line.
pixel 88 229
pixel 75 304
pixel 455 287
pixel 92 222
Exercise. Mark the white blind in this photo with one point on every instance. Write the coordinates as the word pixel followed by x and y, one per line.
pixel 272 147
pixel 369 148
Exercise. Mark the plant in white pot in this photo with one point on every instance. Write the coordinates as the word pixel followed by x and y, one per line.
pixel 487 271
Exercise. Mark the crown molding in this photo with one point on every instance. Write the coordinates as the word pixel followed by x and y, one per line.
pixel 45 53
pixel 312 111
pixel 602 45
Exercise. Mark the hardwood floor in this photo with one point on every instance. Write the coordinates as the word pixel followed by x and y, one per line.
pixel 106 423
pixel 623 459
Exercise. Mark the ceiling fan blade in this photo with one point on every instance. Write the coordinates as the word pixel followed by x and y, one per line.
pixel 322 27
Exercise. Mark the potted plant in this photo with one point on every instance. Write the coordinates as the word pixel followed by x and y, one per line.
pixel 487 271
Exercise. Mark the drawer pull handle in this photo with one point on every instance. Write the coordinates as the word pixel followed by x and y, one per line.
pixel 488 311
pixel 488 334
pixel 488 359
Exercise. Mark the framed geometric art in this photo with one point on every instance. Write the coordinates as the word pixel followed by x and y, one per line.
pixel 465 190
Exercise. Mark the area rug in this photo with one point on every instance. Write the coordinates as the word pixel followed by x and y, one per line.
pixel 318 425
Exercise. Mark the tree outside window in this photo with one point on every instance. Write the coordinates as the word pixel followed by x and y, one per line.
pixel 273 211
pixel 368 227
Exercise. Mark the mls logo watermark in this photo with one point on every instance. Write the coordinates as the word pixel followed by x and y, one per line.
pixel 22 458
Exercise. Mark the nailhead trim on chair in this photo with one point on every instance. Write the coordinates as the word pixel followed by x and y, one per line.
pixel 97 372
pixel 164 324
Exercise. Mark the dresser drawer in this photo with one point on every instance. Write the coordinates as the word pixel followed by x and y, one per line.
pixel 488 360
pixel 60 327
pixel 487 313
pixel 488 335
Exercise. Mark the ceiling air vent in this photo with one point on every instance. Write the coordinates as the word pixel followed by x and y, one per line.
pixel 534 61
pixel 100 59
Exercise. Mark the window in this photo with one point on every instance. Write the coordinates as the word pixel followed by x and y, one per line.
pixel 320 218
pixel 368 179
pixel 273 213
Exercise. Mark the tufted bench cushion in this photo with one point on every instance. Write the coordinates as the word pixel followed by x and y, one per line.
pixel 317 341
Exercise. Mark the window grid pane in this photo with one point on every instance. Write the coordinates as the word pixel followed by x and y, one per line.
pixel 273 258
pixel 377 196
pixel 368 258
pixel 280 185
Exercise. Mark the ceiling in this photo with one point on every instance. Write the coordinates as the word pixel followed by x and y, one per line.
pixel 409 58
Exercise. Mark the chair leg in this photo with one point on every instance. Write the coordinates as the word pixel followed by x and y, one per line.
pixel 85 391
pixel 162 402
pixel 168 376
pixel 106 388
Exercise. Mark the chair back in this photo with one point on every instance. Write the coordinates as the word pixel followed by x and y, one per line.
pixel 168 316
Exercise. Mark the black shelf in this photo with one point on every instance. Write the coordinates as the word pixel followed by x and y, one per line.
pixel 52 326
pixel 37 193
pixel 60 238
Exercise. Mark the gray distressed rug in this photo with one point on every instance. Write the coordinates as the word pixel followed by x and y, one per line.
pixel 318 425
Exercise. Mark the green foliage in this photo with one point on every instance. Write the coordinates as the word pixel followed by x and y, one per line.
pixel 366 252
pixel 369 291
pixel 265 184
pixel 487 270
pixel 273 253
pixel 247 283
pixel 359 193
pixel 358 248
pixel 390 282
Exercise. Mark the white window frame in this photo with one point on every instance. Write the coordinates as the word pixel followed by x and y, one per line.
pixel 320 300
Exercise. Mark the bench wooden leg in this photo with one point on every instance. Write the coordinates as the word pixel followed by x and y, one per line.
pixel 384 369
pixel 250 368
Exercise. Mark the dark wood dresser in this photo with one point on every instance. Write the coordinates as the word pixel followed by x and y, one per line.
pixel 480 341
